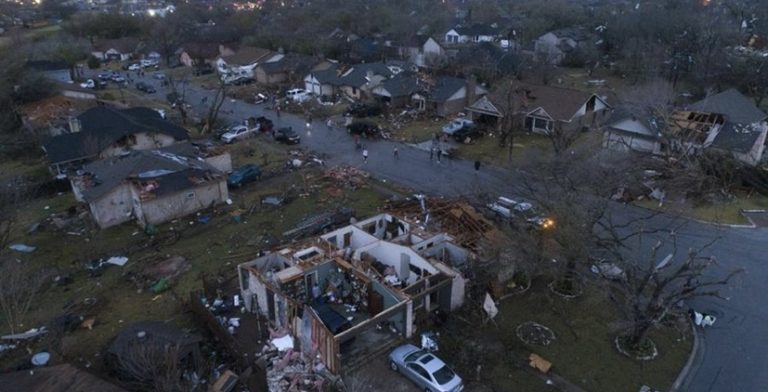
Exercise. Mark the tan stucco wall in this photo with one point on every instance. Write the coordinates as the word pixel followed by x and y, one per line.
pixel 183 203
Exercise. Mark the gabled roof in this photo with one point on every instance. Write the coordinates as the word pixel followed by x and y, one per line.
pixel 401 85
pixel 46 65
pixel 326 76
pixel 122 45
pixel 476 29
pixel 247 55
pixel 485 106
pixel 171 172
pixel 102 126
pixel 445 87
pixel 737 137
pixel 645 118
pixel 201 50
pixel 291 62
pixel 357 75
pixel 559 103
pixel 58 378
pixel 732 104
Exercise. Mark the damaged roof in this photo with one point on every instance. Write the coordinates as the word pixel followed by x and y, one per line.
pixel 170 172
pixel 102 126
pixel 476 30
pixel 401 85
pixel 292 62
pixel 357 75
pixel 734 105
pixel 445 87
pixel 248 55
pixel 560 103
pixel 737 137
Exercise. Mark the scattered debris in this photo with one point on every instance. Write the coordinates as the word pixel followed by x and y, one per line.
pixel 348 176
pixel 40 359
pixel 284 343
pixel 32 333
pixel 537 362
pixel 88 323
pixel 22 248
pixel 168 269
pixel 161 286
pixel 118 260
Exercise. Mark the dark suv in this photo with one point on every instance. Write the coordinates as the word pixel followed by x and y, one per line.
pixel 141 86
pixel 363 128
pixel 362 110
pixel 287 135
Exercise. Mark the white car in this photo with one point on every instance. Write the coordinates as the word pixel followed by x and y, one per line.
pixel 238 132
pixel 148 63
pixel 298 95
pixel 88 84
pixel 134 67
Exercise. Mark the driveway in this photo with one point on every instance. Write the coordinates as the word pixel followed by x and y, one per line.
pixel 734 357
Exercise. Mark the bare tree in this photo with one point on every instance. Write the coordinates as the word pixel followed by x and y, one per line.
pixel 657 282
pixel 155 366
pixel 216 102
pixel 19 285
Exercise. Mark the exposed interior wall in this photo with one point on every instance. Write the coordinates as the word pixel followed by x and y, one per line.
pixel 139 141
pixel 447 253
pixel 384 226
pixel 357 238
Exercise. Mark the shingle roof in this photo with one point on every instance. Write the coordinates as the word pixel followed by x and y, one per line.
pixel 445 88
pixel 123 45
pixel 247 55
pixel 102 126
pixel 476 29
pixel 736 137
pixel 572 33
pixel 732 104
pixel 327 76
pixel 623 113
pixel 559 103
pixel 401 85
pixel 356 77
pixel 291 62
pixel 170 171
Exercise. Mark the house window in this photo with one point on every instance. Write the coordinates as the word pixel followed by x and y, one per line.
pixel 354 91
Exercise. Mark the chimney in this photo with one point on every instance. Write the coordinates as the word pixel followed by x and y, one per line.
pixel 74 125
pixel 471 87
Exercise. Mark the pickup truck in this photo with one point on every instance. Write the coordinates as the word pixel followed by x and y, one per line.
pixel 457 125
pixel 238 132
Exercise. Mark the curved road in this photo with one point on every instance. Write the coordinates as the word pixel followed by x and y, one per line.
pixel 733 356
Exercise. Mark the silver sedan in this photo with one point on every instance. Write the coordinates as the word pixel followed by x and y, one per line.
pixel 425 369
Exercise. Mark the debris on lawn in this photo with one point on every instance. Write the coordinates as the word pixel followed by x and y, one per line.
pixel 348 176
pixel 32 333
pixel 22 248
pixel 539 363
pixel 168 269
pixel 117 260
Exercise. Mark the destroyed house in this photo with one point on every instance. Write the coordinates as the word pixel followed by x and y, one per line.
pixel 151 187
pixel 355 291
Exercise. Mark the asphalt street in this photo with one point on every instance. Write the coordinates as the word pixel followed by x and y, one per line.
pixel 733 356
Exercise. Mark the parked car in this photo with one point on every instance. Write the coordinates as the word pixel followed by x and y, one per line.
pixel 243 175
pixel 363 128
pixel 240 81
pixel 458 125
pixel 287 135
pixel 358 109
pixel 425 369
pixel 467 134
pixel 134 67
pixel 146 63
pixel 298 95
pixel 518 210
pixel 88 84
pixel 265 124
pixel 105 76
pixel 147 88
pixel 238 132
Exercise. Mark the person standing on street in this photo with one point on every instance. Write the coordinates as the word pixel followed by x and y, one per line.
pixel 365 155
pixel 396 154
pixel 330 124
pixel 277 111
pixel 431 153
pixel 477 166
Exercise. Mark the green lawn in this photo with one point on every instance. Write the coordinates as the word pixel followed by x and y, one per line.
pixel 487 149
pixel 418 131
pixel 583 353
pixel 725 213
pixel 214 249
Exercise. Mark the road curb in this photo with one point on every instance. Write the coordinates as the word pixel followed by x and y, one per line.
pixel 696 352
pixel 749 226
